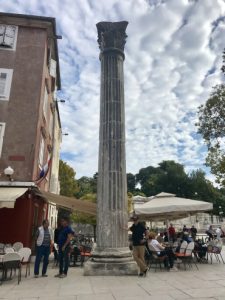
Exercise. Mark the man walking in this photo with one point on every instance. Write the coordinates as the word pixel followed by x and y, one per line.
pixel 44 240
pixel 138 238
pixel 64 239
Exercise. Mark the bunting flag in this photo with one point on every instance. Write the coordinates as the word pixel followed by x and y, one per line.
pixel 44 171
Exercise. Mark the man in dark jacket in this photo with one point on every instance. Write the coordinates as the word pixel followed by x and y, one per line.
pixel 139 232
pixel 64 239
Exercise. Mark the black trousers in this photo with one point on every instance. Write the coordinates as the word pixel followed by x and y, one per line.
pixel 169 257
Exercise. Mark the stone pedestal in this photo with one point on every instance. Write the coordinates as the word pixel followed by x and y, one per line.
pixel 112 255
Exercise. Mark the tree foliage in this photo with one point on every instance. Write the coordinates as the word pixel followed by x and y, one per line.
pixel 87 185
pixel 169 176
pixel 82 218
pixel 211 126
pixel 131 182
pixel 68 183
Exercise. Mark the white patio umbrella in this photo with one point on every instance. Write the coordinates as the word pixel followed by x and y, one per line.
pixel 166 206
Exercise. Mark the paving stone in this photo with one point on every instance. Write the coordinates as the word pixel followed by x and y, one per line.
pixel 207 283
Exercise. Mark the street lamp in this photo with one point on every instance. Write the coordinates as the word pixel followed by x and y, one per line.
pixel 9 172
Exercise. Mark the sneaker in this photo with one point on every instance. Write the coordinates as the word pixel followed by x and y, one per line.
pixel 57 275
pixel 44 275
pixel 62 276
pixel 36 276
pixel 145 272
pixel 174 269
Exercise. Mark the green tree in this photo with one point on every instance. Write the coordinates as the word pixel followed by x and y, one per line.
pixel 87 185
pixel 147 178
pixel 168 177
pixel 131 183
pixel 172 178
pixel 68 183
pixel 211 126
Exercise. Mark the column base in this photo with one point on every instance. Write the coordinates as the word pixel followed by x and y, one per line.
pixel 111 262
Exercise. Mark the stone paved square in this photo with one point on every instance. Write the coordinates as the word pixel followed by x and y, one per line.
pixel 206 283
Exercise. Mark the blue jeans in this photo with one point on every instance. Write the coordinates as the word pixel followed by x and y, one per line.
pixel 42 251
pixel 63 260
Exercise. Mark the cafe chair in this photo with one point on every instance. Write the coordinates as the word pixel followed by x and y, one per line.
pixel 187 256
pixel 85 253
pixel 154 259
pixel 17 246
pixel 11 261
pixel 9 250
pixel 215 249
pixel 25 254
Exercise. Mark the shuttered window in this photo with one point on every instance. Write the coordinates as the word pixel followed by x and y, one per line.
pixel 53 68
pixel 3 77
pixel 5 83
pixel 41 152
pixel 51 124
pixel 2 131
pixel 8 36
pixel 45 105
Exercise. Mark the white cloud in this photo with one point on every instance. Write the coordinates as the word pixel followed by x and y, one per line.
pixel 173 58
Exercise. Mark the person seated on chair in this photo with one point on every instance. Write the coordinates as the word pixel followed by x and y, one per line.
pixel 200 250
pixel 162 252
pixel 187 238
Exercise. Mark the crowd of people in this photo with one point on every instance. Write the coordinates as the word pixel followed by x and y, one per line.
pixel 142 240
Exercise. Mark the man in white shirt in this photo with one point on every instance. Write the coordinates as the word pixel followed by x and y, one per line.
pixel 154 245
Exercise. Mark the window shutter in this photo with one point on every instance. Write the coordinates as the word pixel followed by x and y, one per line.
pixel 10 33
pixel 2 129
pixel 50 124
pixel 45 105
pixel 53 68
pixel 2 32
pixel 3 78
pixel 5 83
pixel 41 151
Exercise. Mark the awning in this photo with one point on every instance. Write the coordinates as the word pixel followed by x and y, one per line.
pixel 8 195
pixel 71 203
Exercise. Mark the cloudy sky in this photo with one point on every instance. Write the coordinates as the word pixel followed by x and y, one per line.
pixel 173 58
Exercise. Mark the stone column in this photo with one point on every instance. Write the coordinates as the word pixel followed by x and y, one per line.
pixel 112 255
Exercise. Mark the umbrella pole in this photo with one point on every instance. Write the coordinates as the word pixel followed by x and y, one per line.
pixel 167 228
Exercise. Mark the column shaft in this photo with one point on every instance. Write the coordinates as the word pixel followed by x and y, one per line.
pixel 112 190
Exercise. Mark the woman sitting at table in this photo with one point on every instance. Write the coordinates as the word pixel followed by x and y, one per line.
pixel 161 251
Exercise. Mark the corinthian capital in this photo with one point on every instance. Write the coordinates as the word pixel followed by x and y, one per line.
pixel 112 35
